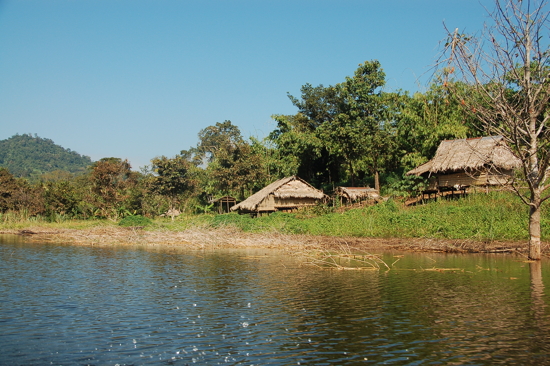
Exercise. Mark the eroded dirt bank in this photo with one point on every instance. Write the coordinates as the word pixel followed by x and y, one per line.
pixel 207 238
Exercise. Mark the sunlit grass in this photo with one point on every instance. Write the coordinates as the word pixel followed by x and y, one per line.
pixel 496 216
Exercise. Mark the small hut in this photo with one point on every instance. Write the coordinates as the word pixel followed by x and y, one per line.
pixel 459 164
pixel 350 195
pixel 223 204
pixel 285 194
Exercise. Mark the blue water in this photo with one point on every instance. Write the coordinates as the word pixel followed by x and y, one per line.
pixel 71 305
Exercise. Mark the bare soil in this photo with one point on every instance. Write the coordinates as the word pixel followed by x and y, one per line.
pixel 208 238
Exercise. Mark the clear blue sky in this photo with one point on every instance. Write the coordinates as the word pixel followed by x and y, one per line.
pixel 138 79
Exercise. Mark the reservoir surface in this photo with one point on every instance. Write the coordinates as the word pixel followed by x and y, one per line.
pixel 80 305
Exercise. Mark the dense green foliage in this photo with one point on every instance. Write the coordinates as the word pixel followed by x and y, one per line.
pixel 343 131
pixel 135 221
pixel 112 189
pixel 17 194
pixel 173 179
pixel 31 157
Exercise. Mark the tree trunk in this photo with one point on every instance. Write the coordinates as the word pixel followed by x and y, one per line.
pixel 377 181
pixel 534 231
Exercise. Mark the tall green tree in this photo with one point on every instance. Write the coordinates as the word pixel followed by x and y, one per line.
pixel 299 151
pixel 237 170
pixel 354 121
pixel 225 163
pixel 364 128
pixel 428 118
pixel 62 197
pixel 111 184
pixel 213 139
pixel 173 179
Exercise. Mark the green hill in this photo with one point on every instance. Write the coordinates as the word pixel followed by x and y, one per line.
pixel 30 156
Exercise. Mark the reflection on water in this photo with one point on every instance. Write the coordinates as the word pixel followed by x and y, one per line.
pixel 71 305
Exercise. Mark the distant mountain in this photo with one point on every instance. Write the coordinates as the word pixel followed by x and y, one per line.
pixel 31 156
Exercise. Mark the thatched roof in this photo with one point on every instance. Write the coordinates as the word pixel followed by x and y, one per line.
pixel 470 154
pixel 355 193
pixel 289 187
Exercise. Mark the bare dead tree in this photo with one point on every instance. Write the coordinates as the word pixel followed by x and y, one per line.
pixel 501 75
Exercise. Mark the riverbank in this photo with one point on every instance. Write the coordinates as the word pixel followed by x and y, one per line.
pixel 230 237
pixel 496 222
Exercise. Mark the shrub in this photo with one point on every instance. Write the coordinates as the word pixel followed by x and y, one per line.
pixel 135 220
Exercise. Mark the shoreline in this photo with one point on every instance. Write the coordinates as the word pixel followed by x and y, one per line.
pixel 227 237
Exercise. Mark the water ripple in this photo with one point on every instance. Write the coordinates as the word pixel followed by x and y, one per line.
pixel 71 305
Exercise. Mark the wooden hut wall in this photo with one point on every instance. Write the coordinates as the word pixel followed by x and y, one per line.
pixel 433 184
pixel 472 179
pixel 294 202
pixel 271 203
pixel 267 204
pixel 460 179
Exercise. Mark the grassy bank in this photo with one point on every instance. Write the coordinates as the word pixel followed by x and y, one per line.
pixel 481 217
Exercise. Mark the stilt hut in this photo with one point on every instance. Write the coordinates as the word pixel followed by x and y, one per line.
pixel 348 195
pixel 286 194
pixel 223 204
pixel 459 164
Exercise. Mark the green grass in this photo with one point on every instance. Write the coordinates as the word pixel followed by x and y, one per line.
pixel 496 216
pixel 135 220
pixel 493 216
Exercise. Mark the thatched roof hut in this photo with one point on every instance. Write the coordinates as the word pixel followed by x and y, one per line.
pixel 353 194
pixel 285 194
pixel 475 161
